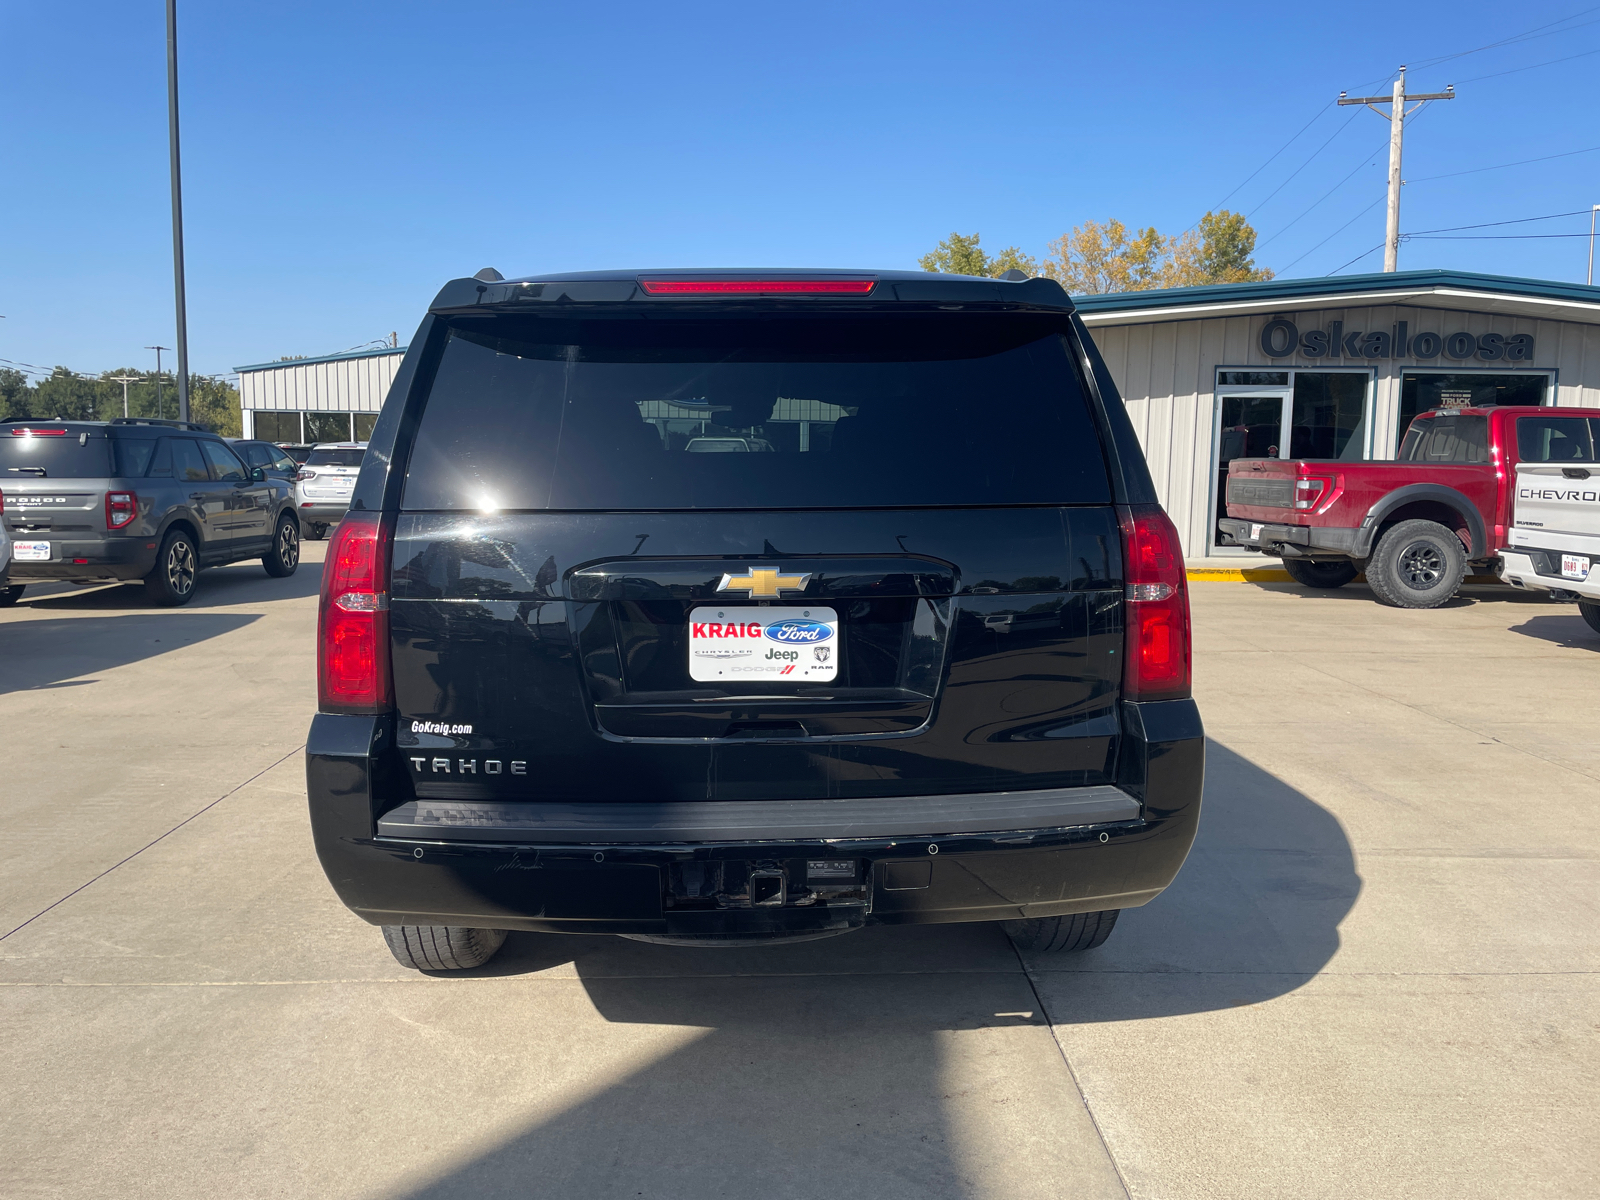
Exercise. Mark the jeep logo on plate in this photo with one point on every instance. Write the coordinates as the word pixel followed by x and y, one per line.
pixel 799 631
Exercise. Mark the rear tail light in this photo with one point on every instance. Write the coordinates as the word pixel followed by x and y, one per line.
pixel 1156 645
pixel 121 507
pixel 1308 493
pixel 747 287
pixel 353 619
pixel 302 476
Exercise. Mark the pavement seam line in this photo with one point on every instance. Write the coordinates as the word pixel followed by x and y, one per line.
pixel 1033 986
pixel 160 838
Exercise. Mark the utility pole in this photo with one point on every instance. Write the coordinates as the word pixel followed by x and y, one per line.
pixel 177 209
pixel 160 412
pixel 124 380
pixel 1396 117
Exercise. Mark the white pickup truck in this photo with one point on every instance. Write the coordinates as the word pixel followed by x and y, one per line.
pixel 1555 534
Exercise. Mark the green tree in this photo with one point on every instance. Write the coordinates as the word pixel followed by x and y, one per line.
pixel 214 404
pixel 67 395
pixel 960 255
pixel 1219 250
pixel 16 397
pixel 1095 259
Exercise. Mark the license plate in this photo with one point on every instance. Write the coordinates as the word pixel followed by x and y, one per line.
pixel 1255 533
pixel 748 645
pixel 30 551
pixel 1575 566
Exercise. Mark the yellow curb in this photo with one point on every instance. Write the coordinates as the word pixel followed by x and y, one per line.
pixel 1238 574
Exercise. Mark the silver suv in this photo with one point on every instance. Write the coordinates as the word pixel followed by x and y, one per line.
pixel 322 488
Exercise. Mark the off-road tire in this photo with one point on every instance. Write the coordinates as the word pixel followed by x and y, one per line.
pixel 1080 931
pixel 172 581
pixel 1589 610
pixel 284 556
pixel 1324 575
pixel 11 593
pixel 315 532
pixel 442 947
pixel 1417 564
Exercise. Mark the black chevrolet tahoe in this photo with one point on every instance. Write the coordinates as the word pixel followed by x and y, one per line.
pixel 136 499
pixel 711 607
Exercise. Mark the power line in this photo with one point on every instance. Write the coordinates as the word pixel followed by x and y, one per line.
pixel 1338 231
pixel 1302 166
pixel 1502 166
pixel 1356 259
pixel 1581 212
pixel 1315 118
pixel 1527 35
pixel 1366 161
pixel 1491 237
pixel 1533 67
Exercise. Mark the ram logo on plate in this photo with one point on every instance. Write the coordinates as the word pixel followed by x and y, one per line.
pixel 746 644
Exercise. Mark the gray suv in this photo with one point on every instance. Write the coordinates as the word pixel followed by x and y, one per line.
pixel 89 501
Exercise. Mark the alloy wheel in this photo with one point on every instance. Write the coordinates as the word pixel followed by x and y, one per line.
pixel 180 568
pixel 1421 566
pixel 288 546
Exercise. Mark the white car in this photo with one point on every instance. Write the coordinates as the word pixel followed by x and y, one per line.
pixel 323 486
pixel 1555 533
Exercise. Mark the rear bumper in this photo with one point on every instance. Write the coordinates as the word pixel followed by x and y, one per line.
pixel 322 512
pixel 604 869
pixel 1293 541
pixel 105 557
pixel 1540 570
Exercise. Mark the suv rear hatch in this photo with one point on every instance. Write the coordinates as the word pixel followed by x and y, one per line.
pixel 55 475
pixel 588 606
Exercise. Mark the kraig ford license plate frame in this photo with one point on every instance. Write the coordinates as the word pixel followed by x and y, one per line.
pixel 748 644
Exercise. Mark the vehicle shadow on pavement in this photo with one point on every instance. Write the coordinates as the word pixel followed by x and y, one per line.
pixel 217 587
pixel 43 653
pixel 1569 631
pixel 916 1061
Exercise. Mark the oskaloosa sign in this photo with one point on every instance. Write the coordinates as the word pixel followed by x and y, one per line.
pixel 1281 338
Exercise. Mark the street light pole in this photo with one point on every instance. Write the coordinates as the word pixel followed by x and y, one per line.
pixel 160 412
pixel 177 210
pixel 124 380
pixel 1592 211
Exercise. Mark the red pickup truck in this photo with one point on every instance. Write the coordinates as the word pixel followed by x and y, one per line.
pixel 1412 525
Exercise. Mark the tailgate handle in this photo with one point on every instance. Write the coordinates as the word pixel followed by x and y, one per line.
pixel 1574 473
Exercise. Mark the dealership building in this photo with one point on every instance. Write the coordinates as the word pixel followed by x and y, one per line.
pixel 1307 368
pixel 334 398
pixel 1329 368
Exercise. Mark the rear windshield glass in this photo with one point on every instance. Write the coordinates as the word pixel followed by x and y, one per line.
pixel 335 458
pixel 65 456
pixel 755 413
pixel 1462 439
pixel 1557 439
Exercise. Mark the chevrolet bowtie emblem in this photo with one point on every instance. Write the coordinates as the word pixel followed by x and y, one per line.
pixel 762 584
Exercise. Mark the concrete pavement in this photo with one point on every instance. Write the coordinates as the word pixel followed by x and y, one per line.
pixel 1375 976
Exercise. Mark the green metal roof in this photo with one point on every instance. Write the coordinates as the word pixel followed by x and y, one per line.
pixel 306 362
pixel 1222 294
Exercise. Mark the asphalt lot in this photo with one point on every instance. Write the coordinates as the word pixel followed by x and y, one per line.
pixel 1375 976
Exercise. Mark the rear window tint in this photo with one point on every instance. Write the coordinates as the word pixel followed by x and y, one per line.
pixel 335 458
pixel 1458 439
pixel 744 413
pixel 132 456
pixel 1556 439
pixel 66 456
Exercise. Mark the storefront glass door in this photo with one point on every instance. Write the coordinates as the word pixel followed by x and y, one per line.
pixel 1299 414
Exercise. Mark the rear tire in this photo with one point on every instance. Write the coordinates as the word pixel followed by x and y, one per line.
pixel 177 566
pixel 442 947
pixel 1080 931
pixel 315 532
pixel 11 594
pixel 1417 564
pixel 284 557
pixel 1325 575
pixel 1589 610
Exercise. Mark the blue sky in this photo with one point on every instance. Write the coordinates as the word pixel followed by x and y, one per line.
pixel 344 159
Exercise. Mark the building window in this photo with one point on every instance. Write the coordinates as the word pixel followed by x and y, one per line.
pixel 364 423
pixel 277 426
pixel 327 427
pixel 1424 391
